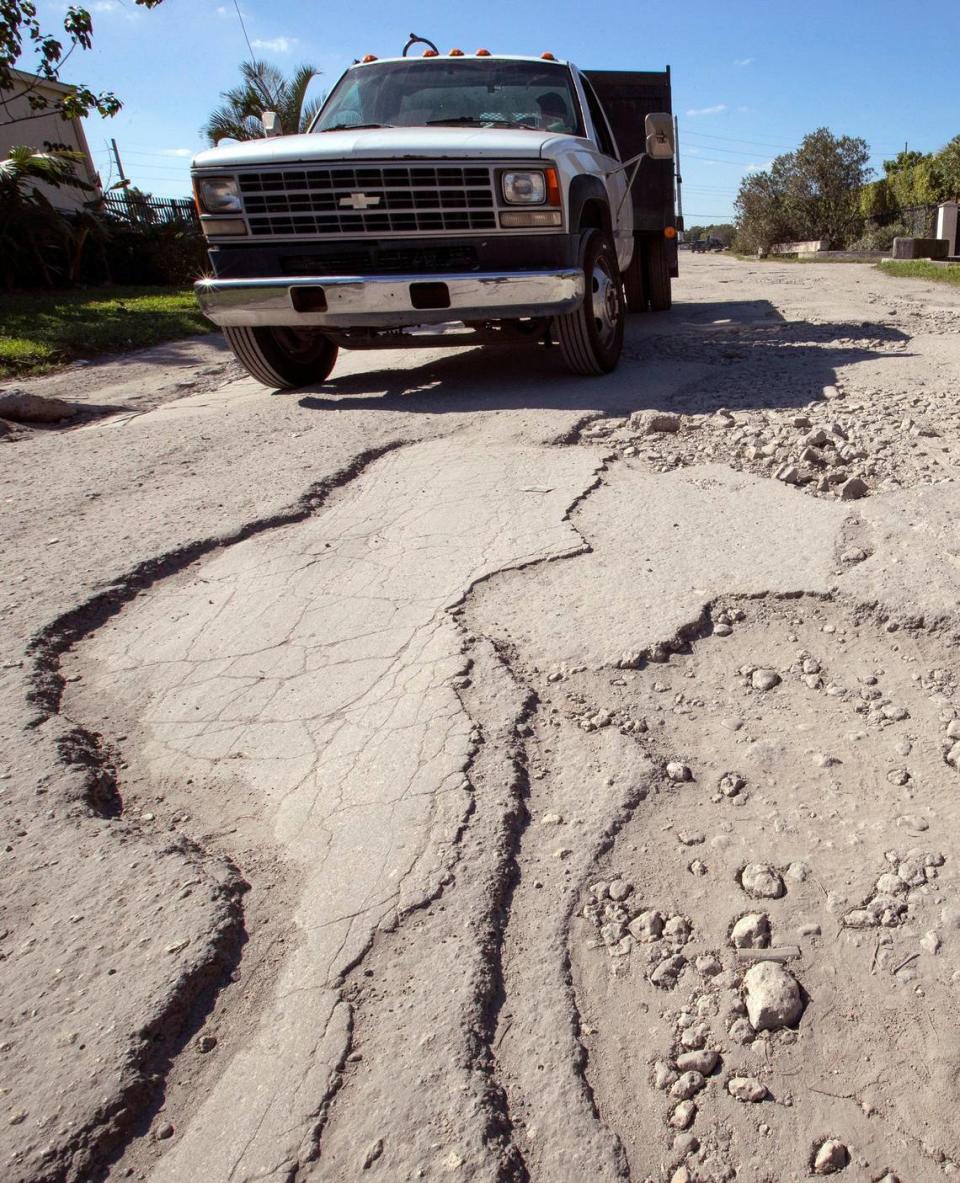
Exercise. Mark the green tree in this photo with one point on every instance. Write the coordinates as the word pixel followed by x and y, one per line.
pixel 264 88
pixel 946 165
pixel 20 25
pixel 812 193
pixel 31 229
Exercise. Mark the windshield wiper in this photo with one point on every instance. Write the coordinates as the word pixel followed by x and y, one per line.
pixel 355 126
pixel 470 120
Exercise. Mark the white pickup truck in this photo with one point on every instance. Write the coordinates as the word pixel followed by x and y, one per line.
pixel 444 200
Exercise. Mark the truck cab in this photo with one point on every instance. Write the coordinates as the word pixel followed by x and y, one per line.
pixel 435 200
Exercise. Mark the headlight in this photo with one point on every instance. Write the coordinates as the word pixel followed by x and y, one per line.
pixel 219 195
pixel 528 188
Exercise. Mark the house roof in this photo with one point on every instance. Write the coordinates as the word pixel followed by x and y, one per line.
pixel 37 82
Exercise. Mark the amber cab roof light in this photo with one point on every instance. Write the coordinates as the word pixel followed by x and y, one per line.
pixel 368 57
pixel 548 57
pixel 430 53
pixel 456 53
pixel 483 53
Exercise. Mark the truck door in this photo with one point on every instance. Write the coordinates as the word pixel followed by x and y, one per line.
pixel 617 179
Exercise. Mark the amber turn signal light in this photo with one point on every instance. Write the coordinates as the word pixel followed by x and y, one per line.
pixel 670 232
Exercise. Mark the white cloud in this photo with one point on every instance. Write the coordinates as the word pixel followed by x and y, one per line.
pixel 744 61
pixel 718 109
pixel 758 168
pixel 104 6
pixel 276 44
pixel 176 151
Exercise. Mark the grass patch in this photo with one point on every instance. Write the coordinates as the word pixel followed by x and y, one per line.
pixel 40 331
pixel 922 269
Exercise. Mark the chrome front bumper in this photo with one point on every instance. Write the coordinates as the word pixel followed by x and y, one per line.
pixel 388 301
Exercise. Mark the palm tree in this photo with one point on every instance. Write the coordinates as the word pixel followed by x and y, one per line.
pixel 33 235
pixel 264 88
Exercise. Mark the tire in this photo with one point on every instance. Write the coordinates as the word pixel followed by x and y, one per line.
pixel 634 281
pixel 591 337
pixel 658 275
pixel 283 358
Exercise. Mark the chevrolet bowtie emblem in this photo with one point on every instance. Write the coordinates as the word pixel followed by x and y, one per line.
pixel 360 200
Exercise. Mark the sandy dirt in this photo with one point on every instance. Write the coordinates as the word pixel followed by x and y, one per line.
pixel 464 771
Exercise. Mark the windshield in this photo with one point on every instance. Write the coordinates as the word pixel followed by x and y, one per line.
pixel 486 93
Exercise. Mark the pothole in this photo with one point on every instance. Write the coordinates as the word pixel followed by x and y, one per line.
pixel 770 949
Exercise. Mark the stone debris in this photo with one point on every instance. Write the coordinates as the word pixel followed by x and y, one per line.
pixel 667 972
pixel 831 1156
pixel 764 679
pixel 751 931
pixel 24 407
pixel 762 881
pixel 703 1061
pixel 772 996
pixel 747 1088
pixel 731 783
pixel 647 927
pixel 678 772
pixel 683 1115
pixel 688 1085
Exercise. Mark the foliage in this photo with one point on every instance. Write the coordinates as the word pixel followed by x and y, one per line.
pixel 880 238
pixel 922 269
pixel 264 88
pixel 31 230
pixel 812 193
pixel 44 330
pixel 722 231
pixel 20 25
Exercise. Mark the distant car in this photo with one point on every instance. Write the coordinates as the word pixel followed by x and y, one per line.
pixel 699 247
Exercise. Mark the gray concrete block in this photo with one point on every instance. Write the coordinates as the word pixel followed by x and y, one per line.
pixel 920 248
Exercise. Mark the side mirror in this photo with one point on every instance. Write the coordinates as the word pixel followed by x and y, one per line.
pixel 659 129
pixel 271 124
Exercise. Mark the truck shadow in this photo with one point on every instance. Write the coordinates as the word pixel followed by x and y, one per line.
pixel 738 354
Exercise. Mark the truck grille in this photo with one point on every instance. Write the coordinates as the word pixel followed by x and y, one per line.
pixel 398 199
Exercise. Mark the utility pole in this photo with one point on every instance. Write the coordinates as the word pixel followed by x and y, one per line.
pixel 116 157
pixel 676 151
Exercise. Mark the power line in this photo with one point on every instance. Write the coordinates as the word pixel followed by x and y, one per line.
pixel 236 5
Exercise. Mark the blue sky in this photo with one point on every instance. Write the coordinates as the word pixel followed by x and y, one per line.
pixel 750 77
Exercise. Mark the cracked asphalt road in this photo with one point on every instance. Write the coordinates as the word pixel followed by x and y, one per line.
pixel 325 712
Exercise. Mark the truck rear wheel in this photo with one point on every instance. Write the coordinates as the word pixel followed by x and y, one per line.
pixel 634 281
pixel 282 358
pixel 591 337
pixel 658 275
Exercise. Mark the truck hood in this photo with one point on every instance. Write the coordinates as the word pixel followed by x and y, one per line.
pixel 397 143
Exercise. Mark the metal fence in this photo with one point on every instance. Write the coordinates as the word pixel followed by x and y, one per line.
pixel 150 211
pixel 918 221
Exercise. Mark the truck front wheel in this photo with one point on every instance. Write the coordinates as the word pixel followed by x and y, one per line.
pixel 282 358
pixel 591 337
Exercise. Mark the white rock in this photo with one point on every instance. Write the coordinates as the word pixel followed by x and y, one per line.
pixel 731 783
pixel 664 1075
pixel 929 943
pixel 831 1157
pixel 689 1084
pixel 620 889
pixel 682 1116
pixel 772 996
pixel 703 1061
pixel 751 931
pixel 678 772
pixel 746 1088
pixel 646 927
pixel 762 881
pixel 764 679
pixel 666 973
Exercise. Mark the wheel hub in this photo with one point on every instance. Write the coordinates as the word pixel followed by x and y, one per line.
pixel 605 301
